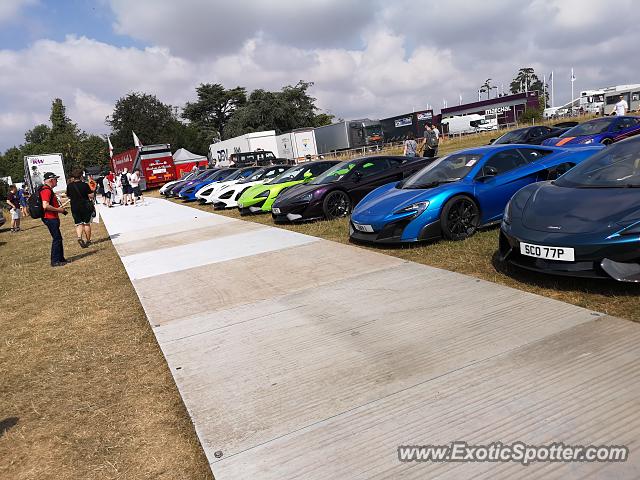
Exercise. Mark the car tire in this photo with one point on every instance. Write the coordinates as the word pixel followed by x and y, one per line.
pixel 460 218
pixel 606 142
pixel 336 204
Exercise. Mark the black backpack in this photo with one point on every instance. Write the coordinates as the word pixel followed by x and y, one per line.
pixel 124 180
pixel 35 204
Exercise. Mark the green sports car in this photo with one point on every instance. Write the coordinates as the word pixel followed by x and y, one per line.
pixel 260 198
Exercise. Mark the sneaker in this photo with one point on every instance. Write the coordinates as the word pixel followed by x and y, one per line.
pixel 82 244
pixel 87 243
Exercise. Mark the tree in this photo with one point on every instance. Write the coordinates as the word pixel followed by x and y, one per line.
pixel 38 134
pixel 486 87
pixel 527 80
pixel 211 112
pixel 12 164
pixel 143 114
pixel 282 111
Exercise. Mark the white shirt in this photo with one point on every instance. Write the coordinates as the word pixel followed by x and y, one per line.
pixel 436 131
pixel 621 107
pixel 134 179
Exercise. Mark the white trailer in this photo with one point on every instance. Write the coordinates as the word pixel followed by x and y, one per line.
pixel 220 152
pixel 471 123
pixel 296 145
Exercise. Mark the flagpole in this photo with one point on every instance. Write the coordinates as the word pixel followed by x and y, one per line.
pixel 552 105
pixel 572 80
pixel 544 89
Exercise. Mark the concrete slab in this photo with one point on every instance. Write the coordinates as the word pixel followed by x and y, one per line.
pixel 185 235
pixel 580 386
pixel 246 280
pixel 205 252
pixel 327 350
pixel 302 358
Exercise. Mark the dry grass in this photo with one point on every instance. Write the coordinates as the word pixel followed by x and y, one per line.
pixel 86 392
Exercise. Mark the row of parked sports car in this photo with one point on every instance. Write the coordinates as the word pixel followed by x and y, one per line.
pixel 569 210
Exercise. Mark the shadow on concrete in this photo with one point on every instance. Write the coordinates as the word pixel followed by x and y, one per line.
pixel 7 424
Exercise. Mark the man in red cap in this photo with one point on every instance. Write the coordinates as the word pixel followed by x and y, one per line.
pixel 52 208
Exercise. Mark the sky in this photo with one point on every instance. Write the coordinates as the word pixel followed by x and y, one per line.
pixel 367 58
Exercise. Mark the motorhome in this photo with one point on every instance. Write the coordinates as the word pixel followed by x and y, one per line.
pixel 631 93
pixel 472 123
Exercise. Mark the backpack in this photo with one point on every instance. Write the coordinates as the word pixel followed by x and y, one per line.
pixel 35 204
pixel 432 139
pixel 124 180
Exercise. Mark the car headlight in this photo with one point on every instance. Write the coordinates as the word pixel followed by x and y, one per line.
pixel 305 198
pixel 506 217
pixel 415 208
pixel 263 194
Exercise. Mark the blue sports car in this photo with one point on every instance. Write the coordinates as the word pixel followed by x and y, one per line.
pixel 455 195
pixel 605 130
pixel 188 193
pixel 586 223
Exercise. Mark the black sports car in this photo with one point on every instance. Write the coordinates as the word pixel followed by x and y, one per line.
pixel 529 135
pixel 335 192
pixel 586 223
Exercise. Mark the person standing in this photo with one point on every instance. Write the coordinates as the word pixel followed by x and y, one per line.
pixel 36 178
pixel 126 186
pixel 22 198
pixel 621 107
pixel 135 185
pixel 82 208
pixel 52 208
pixel 14 204
pixel 109 187
pixel 430 142
pixel 410 146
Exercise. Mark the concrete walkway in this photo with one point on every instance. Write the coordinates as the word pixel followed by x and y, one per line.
pixel 302 358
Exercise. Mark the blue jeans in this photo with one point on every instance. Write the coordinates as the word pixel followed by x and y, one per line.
pixel 57 252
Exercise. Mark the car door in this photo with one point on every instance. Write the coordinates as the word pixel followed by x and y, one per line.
pixel 368 175
pixel 514 171
pixel 626 127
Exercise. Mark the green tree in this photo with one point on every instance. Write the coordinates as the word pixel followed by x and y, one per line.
pixel 282 111
pixel 143 114
pixel 487 87
pixel 526 79
pixel 38 134
pixel 12 164
pixel 215 104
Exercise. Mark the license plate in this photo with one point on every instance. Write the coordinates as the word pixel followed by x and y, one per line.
pixel 363 228
pixel 564 254
pixel 276 211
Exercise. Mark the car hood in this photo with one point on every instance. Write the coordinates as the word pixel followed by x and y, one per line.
pixel 552 208
pixel 298 191
pixel 387 199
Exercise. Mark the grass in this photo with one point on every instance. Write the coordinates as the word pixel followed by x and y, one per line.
pixel 86 392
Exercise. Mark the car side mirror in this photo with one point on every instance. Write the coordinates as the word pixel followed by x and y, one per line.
pixel 491 141
pixel 487 173
pixel 307 176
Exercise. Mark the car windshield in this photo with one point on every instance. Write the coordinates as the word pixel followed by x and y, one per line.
pixel 294 174
pixel 335 173
pixel 617 166
pixel 517 136
pixel 203 175
pixel 257 175
pixel 445 170
pixel 592 127
pixel 235 175
pixel 187 175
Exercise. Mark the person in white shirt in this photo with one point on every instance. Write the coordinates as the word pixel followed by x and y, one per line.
pixel 621 107
pixel 134 180
pixel 435 130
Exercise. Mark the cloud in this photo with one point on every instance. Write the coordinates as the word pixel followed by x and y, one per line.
pixel 366 58
pixel 11 9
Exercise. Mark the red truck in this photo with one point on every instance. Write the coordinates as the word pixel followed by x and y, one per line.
pixel 154 161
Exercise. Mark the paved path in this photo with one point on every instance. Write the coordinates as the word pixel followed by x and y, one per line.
pixel 302 358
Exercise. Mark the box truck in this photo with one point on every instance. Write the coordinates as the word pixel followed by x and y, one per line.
pixel 348 134
pixel 220 152
pixel 154 161
pixel 471 123
pixel 395 129
pixel 297 144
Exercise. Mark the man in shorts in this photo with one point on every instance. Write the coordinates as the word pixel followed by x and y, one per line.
pixel 125 181
pixel 135 185
pixel 82 207
pixel 14 204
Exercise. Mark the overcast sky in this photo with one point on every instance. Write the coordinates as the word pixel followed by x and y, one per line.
pixel 368 58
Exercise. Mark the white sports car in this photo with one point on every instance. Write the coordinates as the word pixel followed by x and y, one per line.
pixel 228 195
pixel 206 193
pixel 170 184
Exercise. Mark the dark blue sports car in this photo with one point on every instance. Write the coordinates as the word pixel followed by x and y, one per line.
pixel 586 223
pixel 455 195
pixel 605 130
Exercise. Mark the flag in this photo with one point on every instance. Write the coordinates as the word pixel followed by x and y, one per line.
pixel 110 148
pixel 136 140
pixel 573 77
